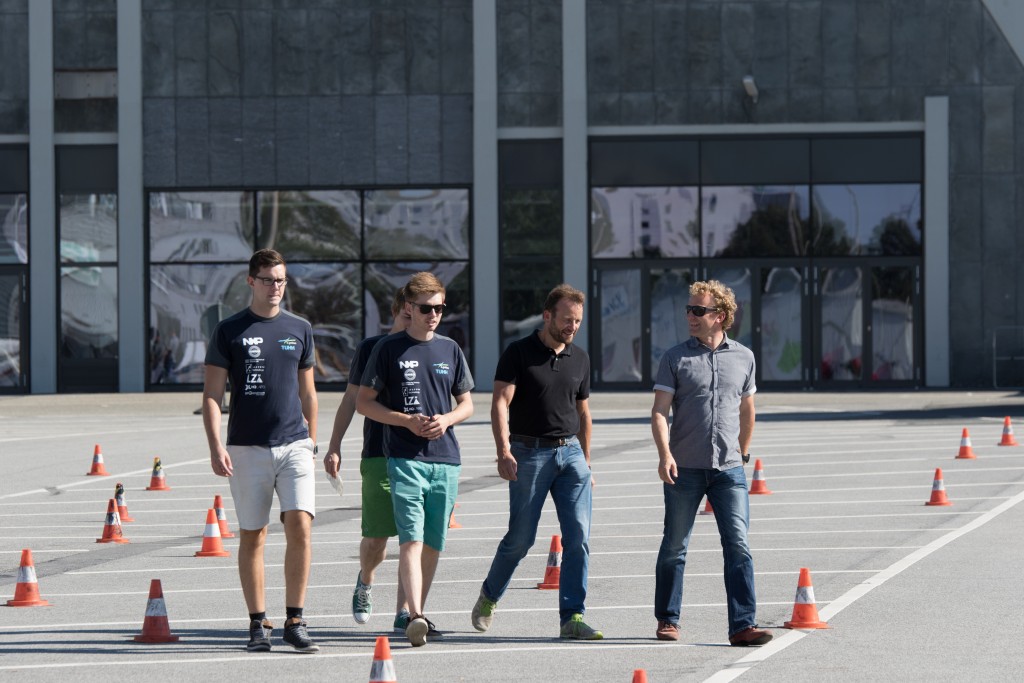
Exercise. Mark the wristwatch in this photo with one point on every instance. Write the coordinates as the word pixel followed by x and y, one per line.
pixel 746 458
pixel 316 450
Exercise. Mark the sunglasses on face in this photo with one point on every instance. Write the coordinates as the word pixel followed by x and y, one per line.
pixel 425 309
pixel 700 311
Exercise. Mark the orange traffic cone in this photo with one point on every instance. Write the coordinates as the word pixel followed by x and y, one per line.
pixel 222 518
pixel 554 569
pixel 155 628
pixel 112 526
pixel 452 522
pixel 805 612
pixel 758 485
pixel 938 490
pixel 1008 439
pixel 212 546
pixel 157 481
pixel 122 509
pixel 26 592
pixel 707 507
pixel 639 676
pixel 383 668
pixel 966 452
pixel 97 470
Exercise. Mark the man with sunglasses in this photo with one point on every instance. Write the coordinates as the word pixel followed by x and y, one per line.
pixel 417 373
pixel 708 384
pixel 268 354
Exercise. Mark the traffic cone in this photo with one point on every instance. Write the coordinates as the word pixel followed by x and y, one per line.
pixel 122 509
pixel 383 668
pixel 112 526
pixel 966 452
pixel 26 592
pixel 452 522
pixel 707 507
pixel 639 676
pixel 758 485
pixel 938 490
pixel 554 569
pixel 97 470
pixel 212 546
pixel 155 628
pixel 1008 439
pixel 222 518
pixel 157 481
pixel 805 612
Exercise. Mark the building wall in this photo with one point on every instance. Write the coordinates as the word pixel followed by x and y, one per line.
pixel 14 72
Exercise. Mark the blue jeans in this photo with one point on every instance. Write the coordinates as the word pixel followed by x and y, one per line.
pixel 727 491
pixel 563 472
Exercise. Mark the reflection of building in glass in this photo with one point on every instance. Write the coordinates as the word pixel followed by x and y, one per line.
pixel 200 226
pixel 644 221
pixel 14 227
pixel 411 222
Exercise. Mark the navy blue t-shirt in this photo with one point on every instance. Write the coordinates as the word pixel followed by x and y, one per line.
pixel 263 357
pixel 418 377
pixel 373 432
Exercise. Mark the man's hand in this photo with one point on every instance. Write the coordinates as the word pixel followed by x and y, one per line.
pixel 507 466
pixel 220 462
pixel 435 427
pixel 332 463
pixel 667 470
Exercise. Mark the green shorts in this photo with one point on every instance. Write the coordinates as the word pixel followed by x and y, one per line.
pixel 378 512
pixel 423 494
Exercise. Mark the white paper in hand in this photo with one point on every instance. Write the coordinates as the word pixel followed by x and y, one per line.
pixel 336 482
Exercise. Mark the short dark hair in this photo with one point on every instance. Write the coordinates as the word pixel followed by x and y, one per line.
pixel 563 291
pixel 264 258
pixel 397 302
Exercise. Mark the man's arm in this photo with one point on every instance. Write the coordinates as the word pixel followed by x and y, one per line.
pixel 342 420
pixel 307 396
pixel 213 393
pixel 586 427
pixel 746 423
pixel 659 427
pixel 501 398
pixel 367 406
pixel 437 425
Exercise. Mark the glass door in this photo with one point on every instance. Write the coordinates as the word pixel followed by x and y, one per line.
pixel 13 326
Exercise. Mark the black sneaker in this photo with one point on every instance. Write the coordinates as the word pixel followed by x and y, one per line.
pixel 295 634
pixel 432 631
pixel 259 636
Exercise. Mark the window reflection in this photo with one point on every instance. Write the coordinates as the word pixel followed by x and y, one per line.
pixel 13 228
pixel 761 221
pixel 88 312
pixel 201 226
pixel 10 330
pixel 620 326
pixel 841 323
pixel 636 222
pixel 524 289
pixel 412 224
pixel 781 324
pixel 670 292
pixel 88 228
pixel 892 323
pixel 740 281
pixel 531 223
pixel 328 296
pixel 310 225
pixel 868 219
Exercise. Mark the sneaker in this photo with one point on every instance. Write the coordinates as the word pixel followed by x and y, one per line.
pixel 432 631
pixel 750 636
pixel 483 612
pixel 417 630
pixel 577 629
pixel 362 602
pixel 295 634
pixel 401 621
pixel 259 636
pixel 667 631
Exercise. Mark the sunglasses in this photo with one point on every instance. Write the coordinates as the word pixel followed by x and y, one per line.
pixel 425 309
pixel 700 311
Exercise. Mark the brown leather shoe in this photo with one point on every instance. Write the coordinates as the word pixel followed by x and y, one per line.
pixel 667 631
pixel 750 636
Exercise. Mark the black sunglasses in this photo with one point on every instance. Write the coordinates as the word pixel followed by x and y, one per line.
pixel 425 309
pixel 700 311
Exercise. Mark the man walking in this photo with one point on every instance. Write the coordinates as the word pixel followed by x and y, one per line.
pixel 418 372
pixel 378 517
pixel 541 424
pixel 268 354
pixel 708 383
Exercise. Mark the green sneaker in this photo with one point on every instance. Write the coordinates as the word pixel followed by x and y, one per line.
pixel 401 621
pixel 483 612
pixel 577 629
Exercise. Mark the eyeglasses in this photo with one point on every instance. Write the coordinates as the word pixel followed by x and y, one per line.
pixel 425 309
pixel 268 281
pixel 700 311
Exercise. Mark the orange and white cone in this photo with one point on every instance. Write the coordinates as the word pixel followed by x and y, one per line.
pixel 639 676
pixel 222 518
pixel 383 668
pixel 212 547
pixel 805 611
pixel 938 490
pixel 452 522
pixel 553 572
pixel 112 526
pixel 122 508
pixel 97 470
pixel 155 628
pixel 26 592
pixel 708 510
pixel 157 482
pixel 1007 439
pixel 758 486
pixel 966 452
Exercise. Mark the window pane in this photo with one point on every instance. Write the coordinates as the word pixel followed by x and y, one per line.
pixel 200 226
pixel 14 224
pixel 186 303
pixel 892 323
pixel 867 220
pixel 637 222
pixel 88 312
pixel 531 223
pixel 670 292
pixel 328 296
pixel 413 224
pixel 781 324
pixel 524 288
pixel 755 220
pixel 842 323
pixel 620 326
pixel 310 225
pixel 739 280
pixel 88 228
pixel 10 330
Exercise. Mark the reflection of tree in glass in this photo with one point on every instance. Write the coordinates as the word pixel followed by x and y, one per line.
pixel 830 237
pixel 531 222
pixel 894 237
pixel 305 224
pixel 772 230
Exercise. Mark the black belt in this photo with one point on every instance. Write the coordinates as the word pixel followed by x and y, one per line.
pixel 537 442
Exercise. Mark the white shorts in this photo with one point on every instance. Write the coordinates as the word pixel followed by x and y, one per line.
pixel 258 471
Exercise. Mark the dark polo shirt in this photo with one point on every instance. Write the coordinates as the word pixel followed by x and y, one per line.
pixel 548 385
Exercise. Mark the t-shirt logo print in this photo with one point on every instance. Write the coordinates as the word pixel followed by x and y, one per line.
pixel 441 368
pixel 254 345
pixel 408 366
pixel 288 343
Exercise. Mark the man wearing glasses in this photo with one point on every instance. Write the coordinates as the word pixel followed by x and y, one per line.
pixel 268 354
pixel 708 383
pixel 419 372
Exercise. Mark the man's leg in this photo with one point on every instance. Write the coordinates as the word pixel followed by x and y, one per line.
pixel 572 495
pixel 410 573
pixel 250 568
pixel 428 566
pixel 372 551
pixel 378 524
pixel 731 502
pixel 298 526
pixel 681 502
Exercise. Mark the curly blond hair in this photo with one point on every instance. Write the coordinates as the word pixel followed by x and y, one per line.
pixel 725 299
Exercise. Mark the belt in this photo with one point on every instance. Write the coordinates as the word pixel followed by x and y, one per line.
pixel 538 442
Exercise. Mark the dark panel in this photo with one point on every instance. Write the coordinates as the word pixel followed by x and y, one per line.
pixel 643 162
pixel 13 169
pixel 530 163
pixel 86 169
pixel 777 161
pixel 867 160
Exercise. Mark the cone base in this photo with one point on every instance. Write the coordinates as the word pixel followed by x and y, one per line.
pixel 27 603
pixel 1012 443
pixel 155 639
pixel 212 553
pixel 766 492
pixel 126 519
pixel 968 456
pixel 112 540
pixel 455 525
pixel 940 502
pixel 158 488
pixel 547 586
pixel 806 624
pixel 97 474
